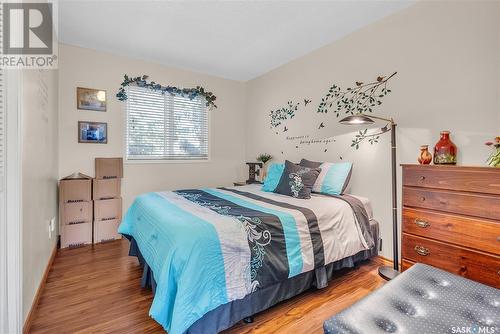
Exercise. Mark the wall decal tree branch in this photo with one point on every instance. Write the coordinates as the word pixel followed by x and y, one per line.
pixel 361 98
pixel 283 114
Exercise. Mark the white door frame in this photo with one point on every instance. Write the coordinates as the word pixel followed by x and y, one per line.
pixel 11 216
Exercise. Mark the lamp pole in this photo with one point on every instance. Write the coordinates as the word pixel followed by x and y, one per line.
pixel 386 272
pixel 394 199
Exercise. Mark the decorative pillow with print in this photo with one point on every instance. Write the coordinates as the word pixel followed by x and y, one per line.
pixel 297 181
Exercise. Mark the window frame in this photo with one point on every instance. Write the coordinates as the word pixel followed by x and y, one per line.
pixel 126 160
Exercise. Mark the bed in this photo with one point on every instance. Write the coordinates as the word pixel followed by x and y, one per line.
pixel 215 256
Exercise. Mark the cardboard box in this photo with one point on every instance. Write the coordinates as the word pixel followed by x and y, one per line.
pixel 108 168
pixel 107 209
pixel 76 235
pixel 72 190
pixel 106 188
pixel 74 212
pixel 106 230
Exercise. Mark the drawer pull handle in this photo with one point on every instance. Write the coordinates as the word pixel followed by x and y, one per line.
pixel 498 238
pixel 422 178
pixel 421 223
pixel 422 250
pixel 422 199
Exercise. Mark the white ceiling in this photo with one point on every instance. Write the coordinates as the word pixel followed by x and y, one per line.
pixel 237 40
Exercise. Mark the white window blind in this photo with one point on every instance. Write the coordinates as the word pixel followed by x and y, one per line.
pixel 165 127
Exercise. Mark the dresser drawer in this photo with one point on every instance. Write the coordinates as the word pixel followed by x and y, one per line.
pixel 471 264
pixel 108 209
pixel 473 179
pixel 76 212
pixel 486 206
pixel 474 233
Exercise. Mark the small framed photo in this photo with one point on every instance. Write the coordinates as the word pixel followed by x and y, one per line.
pixel 92 132
pixel 90 99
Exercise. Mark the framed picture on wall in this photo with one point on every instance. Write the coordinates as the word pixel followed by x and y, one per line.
pixel 90 99
pixel 92 132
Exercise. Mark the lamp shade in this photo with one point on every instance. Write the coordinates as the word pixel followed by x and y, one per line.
pixel 356 119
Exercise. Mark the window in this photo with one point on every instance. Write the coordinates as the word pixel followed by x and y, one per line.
pixel 165 127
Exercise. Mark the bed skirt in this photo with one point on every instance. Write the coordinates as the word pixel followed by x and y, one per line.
pixel 227 315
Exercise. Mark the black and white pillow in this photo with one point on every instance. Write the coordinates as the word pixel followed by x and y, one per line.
pixel 297 181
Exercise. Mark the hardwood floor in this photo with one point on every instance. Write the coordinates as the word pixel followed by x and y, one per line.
pixel 97 290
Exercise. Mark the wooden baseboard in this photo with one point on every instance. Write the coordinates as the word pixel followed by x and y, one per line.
pixel 29 318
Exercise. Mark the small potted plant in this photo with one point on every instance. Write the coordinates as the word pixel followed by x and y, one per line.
pixel 494 159
pixel 264 158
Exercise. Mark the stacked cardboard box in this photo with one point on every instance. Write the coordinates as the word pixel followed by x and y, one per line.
pixel 107 198
pixel 75 210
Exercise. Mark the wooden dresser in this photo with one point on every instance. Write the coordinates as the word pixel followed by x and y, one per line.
pixel 451 220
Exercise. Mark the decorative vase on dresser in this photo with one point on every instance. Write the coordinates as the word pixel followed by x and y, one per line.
pixel 425 157
pixel 445 151
pixel 451 220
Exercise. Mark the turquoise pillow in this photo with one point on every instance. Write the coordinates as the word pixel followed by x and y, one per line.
pixel 333 178
pixel 273 177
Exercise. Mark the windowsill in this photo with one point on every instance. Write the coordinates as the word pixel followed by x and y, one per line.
pixel 159 161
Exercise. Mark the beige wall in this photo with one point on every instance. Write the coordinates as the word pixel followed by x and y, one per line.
pixel 87 68
pixel 39 176
pixel 447 57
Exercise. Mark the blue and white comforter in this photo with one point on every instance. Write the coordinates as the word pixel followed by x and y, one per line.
pixel 207 247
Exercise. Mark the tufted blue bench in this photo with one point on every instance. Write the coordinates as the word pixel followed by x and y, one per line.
pixel 423 300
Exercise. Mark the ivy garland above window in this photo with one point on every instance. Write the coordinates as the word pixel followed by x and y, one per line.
pixel 190 93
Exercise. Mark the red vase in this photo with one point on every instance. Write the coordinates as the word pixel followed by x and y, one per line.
pixel 445 152
pixel 425 157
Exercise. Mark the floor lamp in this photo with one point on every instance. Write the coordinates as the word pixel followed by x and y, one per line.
pixel 386 272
